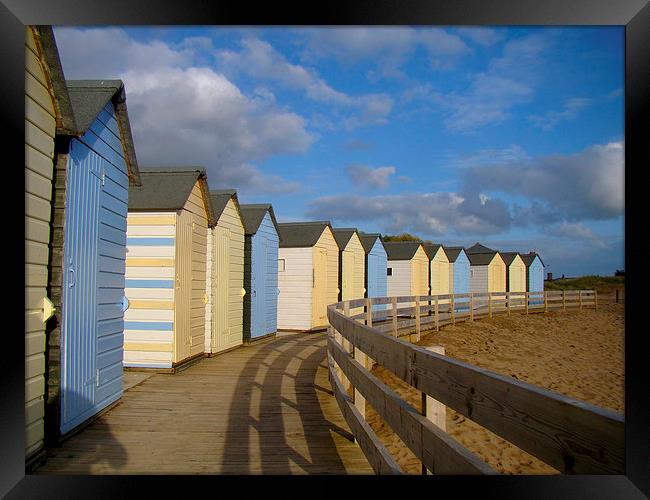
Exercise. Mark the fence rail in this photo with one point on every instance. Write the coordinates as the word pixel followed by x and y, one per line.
pixel 570 435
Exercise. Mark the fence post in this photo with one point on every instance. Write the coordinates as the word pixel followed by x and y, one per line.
pixel 545 301
pixel 526 299
pixel 369 361
pixel 433 410
pixel 617 295
pixel 595 300
pixel 489 304
pixel 580 298
pixel 471 306
pixel 508 298
pixel 393 300
pixel 436 312
pixel 451 308
pixel 346 346
pixel 563 300
pixel 417 318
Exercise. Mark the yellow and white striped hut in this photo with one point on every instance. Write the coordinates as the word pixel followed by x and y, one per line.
pixel 225 282
pixel 167 239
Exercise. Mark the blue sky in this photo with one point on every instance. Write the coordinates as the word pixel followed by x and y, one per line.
pixel 510 136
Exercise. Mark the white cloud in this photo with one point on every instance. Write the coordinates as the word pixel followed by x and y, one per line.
pixel 570 111
pixel 182 114
pixel 375 178
pixel 480 35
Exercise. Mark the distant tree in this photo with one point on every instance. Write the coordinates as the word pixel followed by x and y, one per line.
pixel 402 237
pixel 619 272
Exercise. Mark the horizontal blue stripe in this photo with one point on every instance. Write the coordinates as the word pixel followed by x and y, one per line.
pixel 149 325
pixel 131 283
pixel 150 241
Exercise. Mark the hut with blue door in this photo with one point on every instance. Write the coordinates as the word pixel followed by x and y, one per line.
pixel 459 271
pixel 261 246
pixel 93 170
pixel 534 272
pixel 376 262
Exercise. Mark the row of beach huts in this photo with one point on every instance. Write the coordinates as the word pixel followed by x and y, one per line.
pixel 137 268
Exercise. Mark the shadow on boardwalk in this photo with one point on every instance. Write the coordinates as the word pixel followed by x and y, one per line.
pixel 263 409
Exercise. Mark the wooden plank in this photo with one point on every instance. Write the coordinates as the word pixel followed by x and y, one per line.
pixel 378 457
pixel 439 452
pixel 394 315
pixel 566 433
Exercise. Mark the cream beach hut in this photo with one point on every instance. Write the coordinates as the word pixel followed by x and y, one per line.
pixel 167 236
pixel 407 268
pixel 515 272
pixel 487 269
pixel 48 113
pixel 225 282
pixel 351 263
pixel 438 269
pixel 308 270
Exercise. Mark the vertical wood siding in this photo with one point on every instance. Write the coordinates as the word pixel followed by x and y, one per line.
pixel 536 276
pixel 93 321
pixel 230 314
pixel 295 284
pixel 327 242
pixel 440 273
pixel 353 271
pixel 39 152
pixel 497 275
pixel 196 212
pixel 376 270
pixel 209 274
pixel 517 275
pixel 419 273
pixel 260 303
pixel 459 275
pixel 150 289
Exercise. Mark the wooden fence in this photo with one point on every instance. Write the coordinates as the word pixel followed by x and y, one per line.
pixel 567 434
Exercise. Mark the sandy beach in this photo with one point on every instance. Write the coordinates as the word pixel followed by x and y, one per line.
pixel 579 353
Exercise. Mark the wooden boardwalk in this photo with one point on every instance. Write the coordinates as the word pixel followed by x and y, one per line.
pixel 265 409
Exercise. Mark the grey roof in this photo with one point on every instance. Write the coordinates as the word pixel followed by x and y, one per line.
pixel 342 235
pixel 253 214
pixel 165 188
pixel 401 250
pixel 88 98
pixel 453 252
pixel 430 249
pixel 478 248
pixel 480 259
pixel 219 199
pixel 46 45
pixel 301 234
pixel 368 240
pixel 508 257
pixel 528 258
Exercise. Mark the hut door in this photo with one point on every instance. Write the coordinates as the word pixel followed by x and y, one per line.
pixel 79 375
pixel 183 288
pixel 258 286
pixel 347 268
pixel 319 290
pixel 221 280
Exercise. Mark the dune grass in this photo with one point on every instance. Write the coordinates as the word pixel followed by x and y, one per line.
pixel 598 283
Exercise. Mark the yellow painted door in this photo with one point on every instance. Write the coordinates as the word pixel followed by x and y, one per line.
pixel 347 268
pixel 319 287
pixel 220 288
pixel 183 290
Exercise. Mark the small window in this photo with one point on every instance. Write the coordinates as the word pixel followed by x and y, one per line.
pixel 389 271
pixel 471 273
pixel 280 265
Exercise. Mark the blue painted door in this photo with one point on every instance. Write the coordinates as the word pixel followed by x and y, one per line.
pixel 79 316
pixel 271 286
pixel 258 270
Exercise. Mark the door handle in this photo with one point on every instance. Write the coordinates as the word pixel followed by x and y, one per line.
pixel 71 274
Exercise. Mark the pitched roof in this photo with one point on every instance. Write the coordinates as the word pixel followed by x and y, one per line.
pixel 219 199
pixel 508 257
pixel 478 248
pixel 165 188
pixel 253 214
pixel 301 234
pixel 528 258
pixel 342 235
pixel 401 250
pixel 46 46
pixel 431 249
pixel 88 98
pixel 480 259
pixel 453 252
pixel 368 241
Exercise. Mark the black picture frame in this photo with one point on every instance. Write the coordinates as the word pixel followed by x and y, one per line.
pixel 633 14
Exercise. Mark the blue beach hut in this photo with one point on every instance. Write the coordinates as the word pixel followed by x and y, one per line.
pixel 261 243
pixel 376 281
